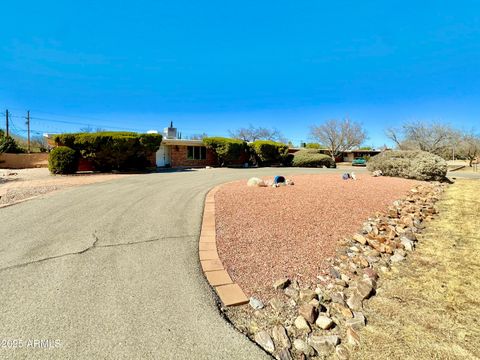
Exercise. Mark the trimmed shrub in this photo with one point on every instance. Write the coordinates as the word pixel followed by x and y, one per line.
pixel 419 165
pixel 62 160
pixel 113 150
pixel 312 158
pixel 313 146
pixel 228 151
pixel 9 145
pixel 268 152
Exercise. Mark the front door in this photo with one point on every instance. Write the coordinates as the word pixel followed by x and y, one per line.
pixel 162 156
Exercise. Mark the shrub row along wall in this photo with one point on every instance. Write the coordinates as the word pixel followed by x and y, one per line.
pixel 234 152
pixel 108 151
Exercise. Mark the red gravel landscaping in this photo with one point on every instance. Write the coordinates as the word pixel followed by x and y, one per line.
pixel 264 234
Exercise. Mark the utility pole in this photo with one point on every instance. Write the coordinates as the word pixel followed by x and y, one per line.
pixel 28 131
pixel 6 120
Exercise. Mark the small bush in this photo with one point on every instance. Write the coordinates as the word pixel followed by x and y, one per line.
pixel 62 160
pixel 9 145
pixel 269 152
pixel 419 165
pixel 312 158
pixel 228 151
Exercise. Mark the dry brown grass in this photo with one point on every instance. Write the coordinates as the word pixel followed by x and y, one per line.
pixel 429 307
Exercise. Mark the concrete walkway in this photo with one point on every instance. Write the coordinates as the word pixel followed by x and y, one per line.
pixel 111 271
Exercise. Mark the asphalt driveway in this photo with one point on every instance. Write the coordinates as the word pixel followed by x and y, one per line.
pixel 111 271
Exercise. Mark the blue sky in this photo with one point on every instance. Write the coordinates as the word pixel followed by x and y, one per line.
pixel 218 65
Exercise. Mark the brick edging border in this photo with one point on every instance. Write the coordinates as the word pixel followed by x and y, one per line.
pixel 230 293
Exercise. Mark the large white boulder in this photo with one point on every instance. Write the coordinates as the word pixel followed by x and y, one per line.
pixel 254 181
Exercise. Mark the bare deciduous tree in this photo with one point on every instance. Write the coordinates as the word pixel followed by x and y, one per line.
pixel 338 135
pixel 469 147
pixel 198 136
pixel 253 133
pixel 432 137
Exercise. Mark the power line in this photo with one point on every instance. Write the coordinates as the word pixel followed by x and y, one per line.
pixel 77 122
pixel 86 124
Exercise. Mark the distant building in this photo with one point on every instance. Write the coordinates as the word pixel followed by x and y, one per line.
pixel 177 152
pixel 346 156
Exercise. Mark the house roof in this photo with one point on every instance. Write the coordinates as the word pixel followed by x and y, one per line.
pixel 184 142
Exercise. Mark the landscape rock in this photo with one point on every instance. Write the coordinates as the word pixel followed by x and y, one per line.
pixel 335 273
pixel 291 292
pixel 280 336
pixel 357 322
pixel 265 341
pixel 256 304
pixel 254 181
pixel 364 288
pixel 360 238
pixel 323 344
pixel 345 311
pixel 281 284
pixel 338 297
pixel 309 312
pixel 407 244
pixel 301 324
pixel 307 294
pixel 303 347
pixel 354 302
pixel 324 322
pixel 396 258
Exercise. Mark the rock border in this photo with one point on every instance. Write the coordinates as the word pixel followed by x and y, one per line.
pixel 230 293
pixel 325 320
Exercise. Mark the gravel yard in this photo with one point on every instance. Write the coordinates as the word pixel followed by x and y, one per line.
pixel 16 185
pixel 264 234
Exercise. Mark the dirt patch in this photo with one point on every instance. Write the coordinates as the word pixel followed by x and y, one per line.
pixel 264 234
pixel 428 307
pixel 16 185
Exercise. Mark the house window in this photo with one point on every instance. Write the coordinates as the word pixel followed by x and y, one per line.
pixel 196 152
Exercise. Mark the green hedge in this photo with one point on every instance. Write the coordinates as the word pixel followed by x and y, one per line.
pixel 228 151
pixel 312 158
pixel 420 165
pixel 62 160
pixel 113 150
pixel 269 152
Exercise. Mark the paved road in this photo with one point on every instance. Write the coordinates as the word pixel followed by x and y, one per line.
pixel 111 271
pixel 463 175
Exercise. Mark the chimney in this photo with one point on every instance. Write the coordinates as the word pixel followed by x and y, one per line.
pixel 170 132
